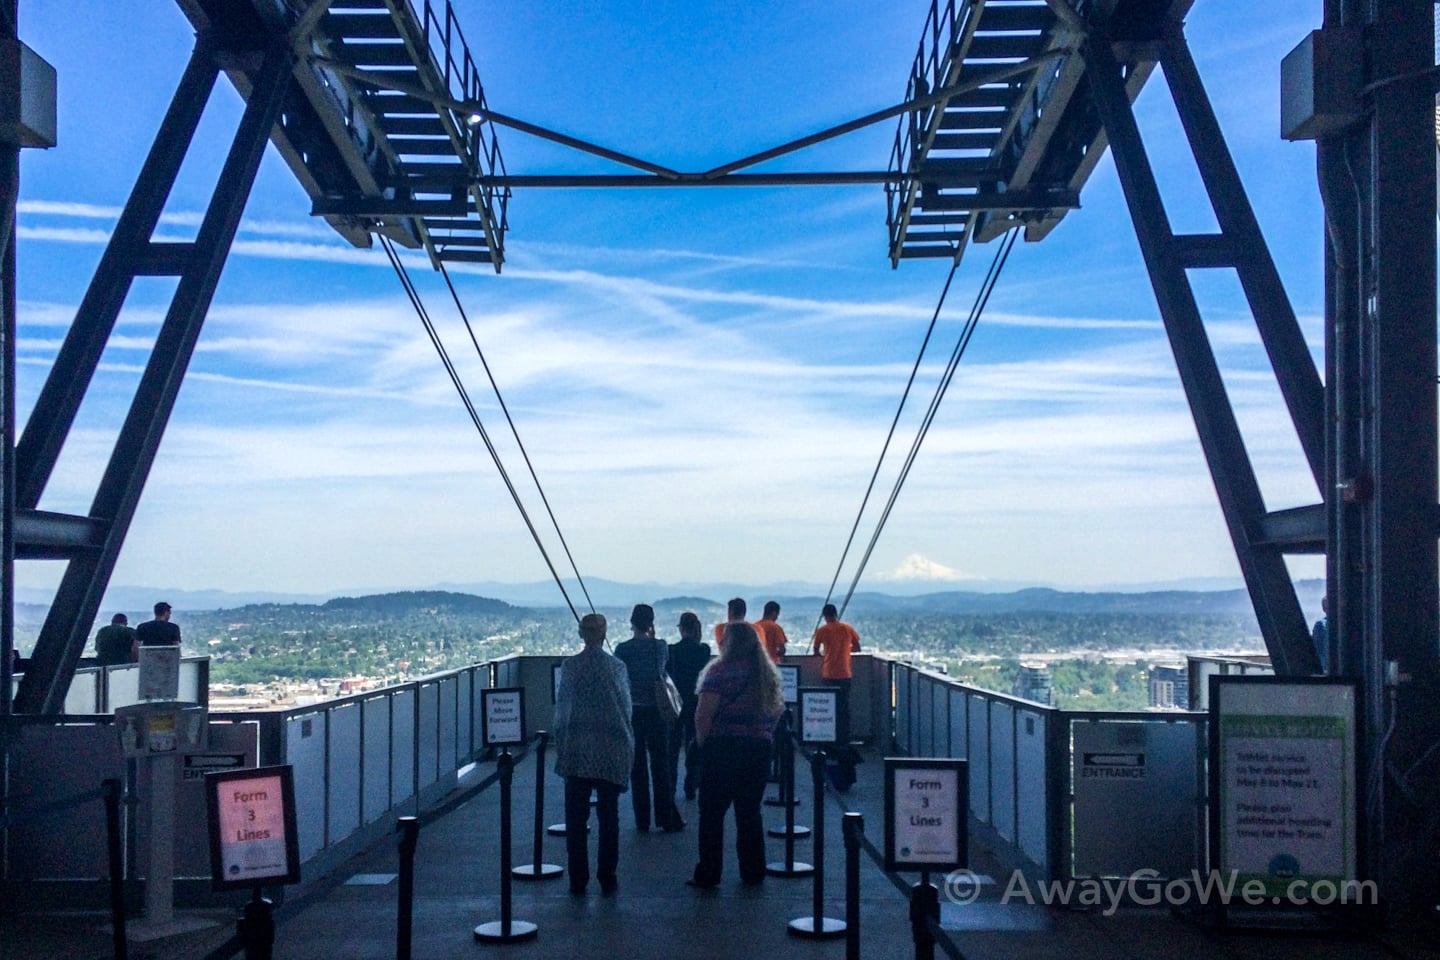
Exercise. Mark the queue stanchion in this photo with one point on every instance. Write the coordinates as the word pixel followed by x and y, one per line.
pixel 817 926
pixel 785 750
pixel 257 928
pixel 506 929
pixel 117 867
pixel 852 827
pixel 537 869
pixel 924 910
pixel 789 867
pixel 409 830
pixel 784 790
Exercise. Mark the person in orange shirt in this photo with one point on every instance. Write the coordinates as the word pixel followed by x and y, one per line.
pixel 835 641
pixel 772 635
pixel 734 613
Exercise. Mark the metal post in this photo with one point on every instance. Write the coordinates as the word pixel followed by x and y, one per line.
pixel 537 869
pixel 257 928
pixel 788 867
pixel 409 830
pixel 852 826
pixel 817 926
pixel 924 907
pixel 117 867
pixel 506 929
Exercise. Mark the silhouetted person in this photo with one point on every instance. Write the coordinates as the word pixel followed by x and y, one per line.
pixel 593 752
pixel 160 631
pixel 644 657
pixel 836 641
pixel 740 700
pixel 734 613
pixel 1320 635
pixel 116 644
pixel 772 635
pixel 687 659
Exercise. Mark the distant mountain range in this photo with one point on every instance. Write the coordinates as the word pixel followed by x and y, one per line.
pixel 705 598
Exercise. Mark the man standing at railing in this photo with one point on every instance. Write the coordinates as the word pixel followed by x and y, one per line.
pixel 835 641
pixel 772 635
pixel 160 631
pixel 117 643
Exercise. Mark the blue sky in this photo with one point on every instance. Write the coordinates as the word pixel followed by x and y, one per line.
pixel 703 378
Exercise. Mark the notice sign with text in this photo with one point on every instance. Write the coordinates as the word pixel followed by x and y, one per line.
pixel 253 840
pixel 1282 760
pixel 926 807
pixel 819 714
pixel 789 682
pixel 502 716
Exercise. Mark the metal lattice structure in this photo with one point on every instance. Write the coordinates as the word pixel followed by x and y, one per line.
pixel 377 107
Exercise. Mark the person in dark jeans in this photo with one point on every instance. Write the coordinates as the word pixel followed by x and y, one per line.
pixel 687 659
pixel 645 657
pixel 740 700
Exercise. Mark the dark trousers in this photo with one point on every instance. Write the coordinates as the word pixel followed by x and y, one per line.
pixel 577 817
pixel 732 772
pixel 682 733
pixel 652 749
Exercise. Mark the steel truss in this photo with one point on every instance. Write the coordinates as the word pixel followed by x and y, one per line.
pixel 91 544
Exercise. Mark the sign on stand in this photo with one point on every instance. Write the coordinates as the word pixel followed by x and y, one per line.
pixel 926 805
pixel 819 715
pixel 160 672
pixel 789 682
pixel 253 840
pixel 1283 783
pixel 502 716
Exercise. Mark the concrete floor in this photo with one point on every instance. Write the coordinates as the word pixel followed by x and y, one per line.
pixel 457 888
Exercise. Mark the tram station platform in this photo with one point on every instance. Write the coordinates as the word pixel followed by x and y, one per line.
pixel 352 913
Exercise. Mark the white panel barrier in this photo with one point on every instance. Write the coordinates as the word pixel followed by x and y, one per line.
pixel 959 724
pixel 1002 768
pixel 904 716
pixel 980 757
pixel 427 737
pixel 343 784
pixel 305 752
pixel 448 689
pixel 375 756
pixel 1032 789
pixel 402 746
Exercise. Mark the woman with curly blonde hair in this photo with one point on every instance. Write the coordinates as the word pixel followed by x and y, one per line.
pixel 740 700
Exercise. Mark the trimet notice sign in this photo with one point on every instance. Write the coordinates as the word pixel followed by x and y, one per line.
pixel 1283 782
pixel 253 841
pixel 927 804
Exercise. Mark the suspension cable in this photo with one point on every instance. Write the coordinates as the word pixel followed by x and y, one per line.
pixel 516 434
pixel 982 297
pixel 865 500
pixel 403 275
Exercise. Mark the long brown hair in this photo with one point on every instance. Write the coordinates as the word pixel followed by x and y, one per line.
pixel 741 643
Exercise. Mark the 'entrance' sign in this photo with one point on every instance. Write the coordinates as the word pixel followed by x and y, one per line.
pixel 253 841
pixel 926 805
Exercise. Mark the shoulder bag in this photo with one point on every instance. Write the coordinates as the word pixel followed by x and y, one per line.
pixel 667 695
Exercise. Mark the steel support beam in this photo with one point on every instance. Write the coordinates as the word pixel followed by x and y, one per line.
pixel 60 397
pixel 66 629
pixel 1272 593
pixel 1284 342
pixel 1378 180
pixel 9 195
